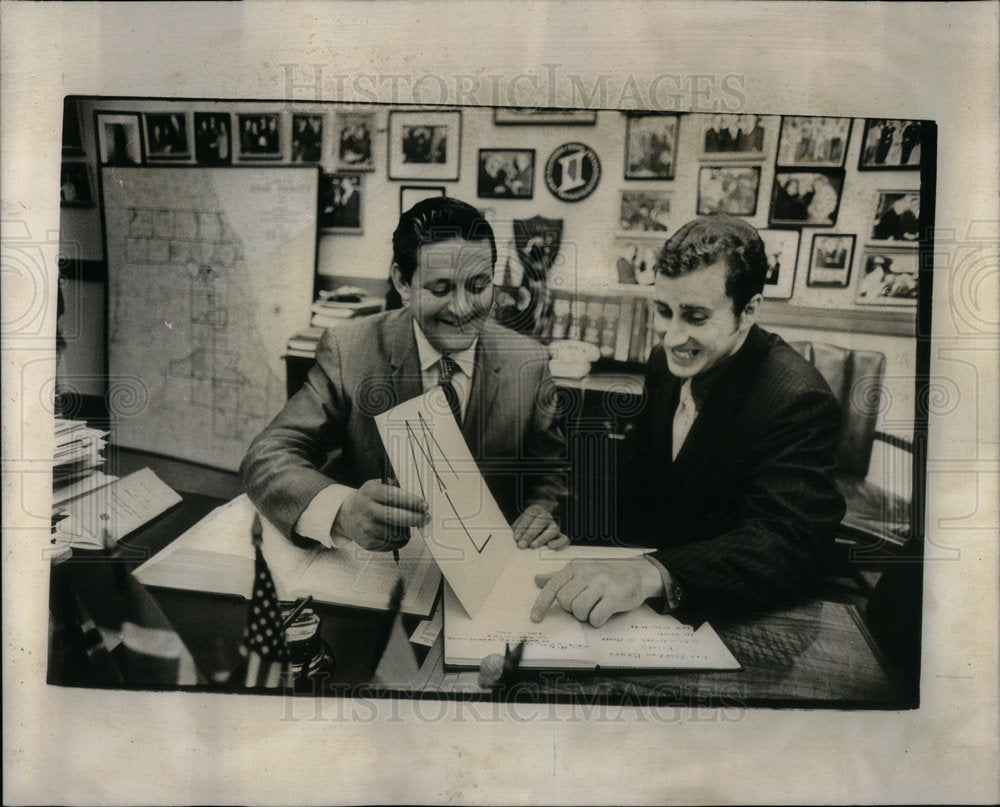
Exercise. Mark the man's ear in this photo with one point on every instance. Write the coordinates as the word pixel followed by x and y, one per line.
pixel 750 311
pixel 402 287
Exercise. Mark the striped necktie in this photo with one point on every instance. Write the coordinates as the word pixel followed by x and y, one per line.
pixel 446 369
pixel 683 417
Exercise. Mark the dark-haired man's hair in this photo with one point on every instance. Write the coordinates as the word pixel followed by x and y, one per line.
pixel 433 220
pixel 720 237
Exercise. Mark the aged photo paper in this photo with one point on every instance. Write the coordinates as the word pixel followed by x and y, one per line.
pixel 892 62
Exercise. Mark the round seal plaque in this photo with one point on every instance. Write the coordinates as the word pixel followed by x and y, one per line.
pixel 572 172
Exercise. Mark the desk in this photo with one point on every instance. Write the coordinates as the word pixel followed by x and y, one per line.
pixel 814 654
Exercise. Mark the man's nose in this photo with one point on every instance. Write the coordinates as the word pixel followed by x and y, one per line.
pixel 675 333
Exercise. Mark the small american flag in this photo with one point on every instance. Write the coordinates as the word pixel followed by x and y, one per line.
pixel 264 646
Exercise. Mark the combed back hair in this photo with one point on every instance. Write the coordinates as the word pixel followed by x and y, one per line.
pixel 715 238
pixel 438 219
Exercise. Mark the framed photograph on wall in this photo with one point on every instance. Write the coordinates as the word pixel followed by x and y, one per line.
pixel 72 131
pixel 806 198
pixel 259 136
pixel 782 248
pixel 506 174
pixel 645 212
pixel 409 195
pixel 340 208
pixel 890 145
pixel 650 146
pixel 119 141
pixel 543 116
pixel 75 187
pixel 736 137
pixel 818 142
pixel 354 141
pixel 425 145
pixel 307 138
pixel 212 142
pixel 728 189
pixel 888 277
pixel 167 136
pixel 830 260
pixel 897 218
pixel 635 258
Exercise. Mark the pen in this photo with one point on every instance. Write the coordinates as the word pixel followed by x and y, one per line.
pixel 296 611
pixel 387 479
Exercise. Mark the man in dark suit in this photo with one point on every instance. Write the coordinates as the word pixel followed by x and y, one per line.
pixel 316 471
pixel 727 471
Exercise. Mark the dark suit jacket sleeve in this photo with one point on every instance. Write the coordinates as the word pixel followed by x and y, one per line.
pixel 790 510
pixel 280 470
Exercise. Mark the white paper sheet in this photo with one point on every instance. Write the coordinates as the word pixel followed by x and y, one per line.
pixel 468 534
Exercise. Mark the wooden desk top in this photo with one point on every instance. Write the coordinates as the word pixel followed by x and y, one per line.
pixel 816 653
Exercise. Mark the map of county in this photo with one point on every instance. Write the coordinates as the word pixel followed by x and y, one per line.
pixel 210 270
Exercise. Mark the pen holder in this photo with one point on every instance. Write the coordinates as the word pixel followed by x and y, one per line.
pixel 308 653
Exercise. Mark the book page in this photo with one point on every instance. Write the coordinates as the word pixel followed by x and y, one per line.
pixel 637 639
pixel 216 555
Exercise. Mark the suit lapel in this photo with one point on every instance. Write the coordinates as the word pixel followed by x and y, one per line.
pixel 403 360
pixel 482 394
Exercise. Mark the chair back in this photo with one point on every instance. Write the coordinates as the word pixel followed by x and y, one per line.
pixel 855 378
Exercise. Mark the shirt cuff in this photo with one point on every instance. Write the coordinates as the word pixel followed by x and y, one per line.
pixel 673 593
pixel 316 521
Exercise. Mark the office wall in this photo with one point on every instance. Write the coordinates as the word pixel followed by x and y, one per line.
pixel 590 226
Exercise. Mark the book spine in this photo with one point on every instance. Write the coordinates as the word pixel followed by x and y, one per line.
pixel 609 329
pixel 624 336
pixel 650 331
pixel 638 329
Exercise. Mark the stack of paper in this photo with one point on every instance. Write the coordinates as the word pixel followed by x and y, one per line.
pixel 78 451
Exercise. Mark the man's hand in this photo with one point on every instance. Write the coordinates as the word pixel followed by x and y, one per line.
pixel 535 527
pixel 595 590
pixel 377 516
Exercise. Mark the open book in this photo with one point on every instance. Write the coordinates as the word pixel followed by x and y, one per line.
pixel 637 639
pixel 216 555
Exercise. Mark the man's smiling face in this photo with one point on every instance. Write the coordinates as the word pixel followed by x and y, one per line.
pixel 695 319
pixel 451 292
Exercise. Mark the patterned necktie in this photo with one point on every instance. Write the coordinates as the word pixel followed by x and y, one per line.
pixel 446 369
pixel 683 417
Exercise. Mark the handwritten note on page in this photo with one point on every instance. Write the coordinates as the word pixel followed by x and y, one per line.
pixel 468 535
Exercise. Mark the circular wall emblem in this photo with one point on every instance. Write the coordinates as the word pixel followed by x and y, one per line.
pixel 572 172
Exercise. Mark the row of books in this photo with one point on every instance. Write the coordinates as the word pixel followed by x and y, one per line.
pixel 621 329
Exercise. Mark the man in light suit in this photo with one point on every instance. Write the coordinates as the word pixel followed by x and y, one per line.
pixel 317 470
pixel 726 474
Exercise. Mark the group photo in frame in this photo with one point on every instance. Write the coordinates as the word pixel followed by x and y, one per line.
pixel 651 145
pixel 890 145
pixel 340 203
pixel 806 198
pixel 543 116
pixel 307 138
pixel 354 141
pixel 897 217
pixel 166 136
pixel 888 277
pixel 733 137
pixel 782 250
pixel 819 142
pixel 425 145
pixel 212 142
pixel 645 211
pixel 728 189
pixel 119 138
pixel 259 136
pixel 830 260
pixel 506 174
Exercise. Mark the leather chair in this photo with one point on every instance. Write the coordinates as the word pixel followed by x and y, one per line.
pixel 877 522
